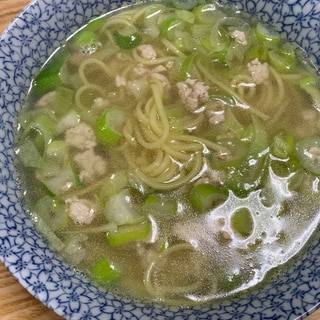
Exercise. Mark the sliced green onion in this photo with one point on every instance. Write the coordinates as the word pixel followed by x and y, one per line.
pixel 63 100
pixel 230 119
pixel 127 41
pixel 242 222
pixel 187 68
pixel 282 146
pixel 108 127
pixel 220 39
pixel 40 130
pixel 29 155
pixel 204 197
pixel 115 183
pixel 308 81
pixel 280 168
pixel 54 241
pixel 103 272
pixel 95 24
pixel 53 212
pixel 251 172
pixel 56 184
pixel 308 152
pixel 169 27
pixel 283 59
pixel 152 199
pixel 207 13
pixel 260 139
pixel 236 152
pixel 151 19
pixel 127 234
pixel 153 11
pixel 185 15
pixel 86 42
pixel 257 52
pixel 309 85
pixel 265 34
pixel 155 206
pixel 49 77
pixel 120 210
pixel 184 42
pixel 249 175
pixel 85 37
pixel 57 172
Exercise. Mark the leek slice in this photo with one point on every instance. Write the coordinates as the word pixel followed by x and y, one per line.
pixel 95 23
pixel 29 155
pixel 205 196
pixel 309 85
pixel 283 59
pixel 207 13
pixel 242 222
pixel 282 146
pixel 170 26
pixel 127 234
pixel 103 272
pixel 49 76
pixel 120 210
pixel 57 174
pixel 308 152
pixel 264 34
pixel 108 127
pixel 53 212
pixel 127 41
pixel 54 241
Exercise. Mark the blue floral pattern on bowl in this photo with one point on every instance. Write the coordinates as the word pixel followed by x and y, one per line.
pixel 24 46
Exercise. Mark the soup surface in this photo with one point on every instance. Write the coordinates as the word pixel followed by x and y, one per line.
pixel 173 153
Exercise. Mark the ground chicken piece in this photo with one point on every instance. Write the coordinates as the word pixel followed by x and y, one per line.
pixel 81 137
pixel 120 81
pixel 81 211
pixel 239 36
pixel 147 51
pixel 193 93
pixel 258 71
pixel 156 73
pixel 140 70
pixel 90 164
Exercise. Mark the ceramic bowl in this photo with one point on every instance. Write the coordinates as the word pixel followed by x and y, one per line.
pixel 24 46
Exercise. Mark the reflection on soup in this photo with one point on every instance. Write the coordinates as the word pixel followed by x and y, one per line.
pixel 173 153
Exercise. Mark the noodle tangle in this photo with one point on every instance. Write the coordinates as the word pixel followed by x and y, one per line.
pixel 170 159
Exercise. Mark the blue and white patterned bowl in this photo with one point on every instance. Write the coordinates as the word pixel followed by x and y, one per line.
pixel 24 46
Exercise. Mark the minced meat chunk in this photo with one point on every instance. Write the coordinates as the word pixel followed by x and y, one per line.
pixel 193 93
pixel 81 137
pixel 147 51
pixel 258 71
pixel 81 211
pixel 239 36
pixel 90 164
